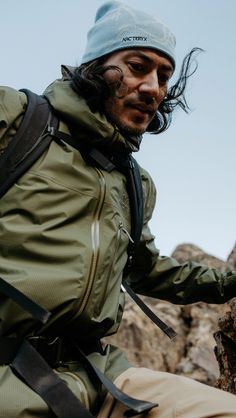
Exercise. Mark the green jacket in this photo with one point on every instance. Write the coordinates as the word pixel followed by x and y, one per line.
pixel 64 233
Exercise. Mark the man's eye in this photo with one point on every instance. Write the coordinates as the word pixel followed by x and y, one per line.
pixel 137 66
pixel 163 78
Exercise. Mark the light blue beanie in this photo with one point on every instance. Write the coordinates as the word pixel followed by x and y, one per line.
pixel 118 26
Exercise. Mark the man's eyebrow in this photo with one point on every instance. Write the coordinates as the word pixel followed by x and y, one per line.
pixel 165 67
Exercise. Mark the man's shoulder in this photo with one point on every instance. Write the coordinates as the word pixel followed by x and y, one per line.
pixel 146 177
pixel 12 107
pixel 149 194
pixel 12 103
pixel 149 187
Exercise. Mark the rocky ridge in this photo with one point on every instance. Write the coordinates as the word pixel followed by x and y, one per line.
pixel 206 341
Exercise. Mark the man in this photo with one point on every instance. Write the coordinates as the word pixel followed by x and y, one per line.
pixel 67 235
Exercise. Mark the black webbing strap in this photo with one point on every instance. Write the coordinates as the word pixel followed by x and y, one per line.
pixel 86 151
pixel 135 191
pixel 8 349
pixel 135 406
pixel 164 327
pixel 37 374
pixel 29 142
pixel 24 301
pixel 32 368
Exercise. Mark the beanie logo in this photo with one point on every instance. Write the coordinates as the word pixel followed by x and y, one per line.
pixel 135 38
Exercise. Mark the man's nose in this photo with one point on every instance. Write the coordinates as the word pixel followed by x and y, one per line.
pixel 150 85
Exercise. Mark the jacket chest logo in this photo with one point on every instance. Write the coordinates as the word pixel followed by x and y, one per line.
pixel 124 201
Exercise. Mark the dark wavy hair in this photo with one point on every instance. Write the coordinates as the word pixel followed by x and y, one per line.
pixel 88 81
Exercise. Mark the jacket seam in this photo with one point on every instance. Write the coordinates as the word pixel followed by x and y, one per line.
pixel 52 179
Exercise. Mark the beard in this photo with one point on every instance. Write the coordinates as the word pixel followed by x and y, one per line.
pixel 125 128
pixel 134 127
pixel 118 106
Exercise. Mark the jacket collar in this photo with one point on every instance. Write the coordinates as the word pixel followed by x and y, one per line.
pixel 92 126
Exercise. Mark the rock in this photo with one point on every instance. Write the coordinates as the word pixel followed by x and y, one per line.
pixel 190 252
pixel 225 349
pixel 199 343
pixel 144 344
pixel 192 351
pixel 225 338
pixel 231 261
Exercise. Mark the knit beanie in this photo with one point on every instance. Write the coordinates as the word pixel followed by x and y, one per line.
pixel 118 26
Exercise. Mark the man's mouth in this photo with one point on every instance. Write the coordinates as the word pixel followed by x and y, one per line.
pixel 144 110
pixel 142 107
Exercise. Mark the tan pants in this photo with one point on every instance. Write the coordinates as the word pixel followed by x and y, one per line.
pixel 177 396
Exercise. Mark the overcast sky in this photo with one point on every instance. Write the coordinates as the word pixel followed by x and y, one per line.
pixel 193 164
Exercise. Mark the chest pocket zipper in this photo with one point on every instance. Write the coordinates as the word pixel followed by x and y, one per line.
pixel 121 229
pixel 95 240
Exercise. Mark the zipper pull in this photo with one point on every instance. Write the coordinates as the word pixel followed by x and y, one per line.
pixel 123 288
pixel 130 253
pixel 126 232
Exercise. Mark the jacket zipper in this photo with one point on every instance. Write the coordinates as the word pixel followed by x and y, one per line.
pixel 95 238
pixel 121 229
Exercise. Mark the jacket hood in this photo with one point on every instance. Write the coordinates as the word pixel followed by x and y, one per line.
pixel 92 126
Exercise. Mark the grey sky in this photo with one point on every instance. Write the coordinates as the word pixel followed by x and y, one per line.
pixel 193 164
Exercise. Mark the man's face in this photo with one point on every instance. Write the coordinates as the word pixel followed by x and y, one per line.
pixel 144 86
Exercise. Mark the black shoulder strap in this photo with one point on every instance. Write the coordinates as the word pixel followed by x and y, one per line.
pixel 30 141
pixel 37 374
pixel 134 185
pixel 129 166
pixel 36 310
pixel 135 191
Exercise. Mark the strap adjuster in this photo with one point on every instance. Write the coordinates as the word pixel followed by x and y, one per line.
pixel 52 350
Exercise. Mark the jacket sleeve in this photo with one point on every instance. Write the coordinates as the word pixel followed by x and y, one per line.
pixel 12 108
pixel 164 278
